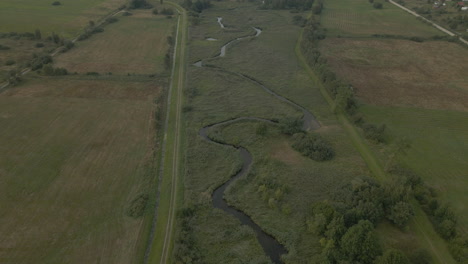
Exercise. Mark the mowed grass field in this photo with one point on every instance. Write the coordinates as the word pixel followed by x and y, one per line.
pixel 134 44
pixel 74 154
pixel 66 19
pixel 359 18
pixel 402 73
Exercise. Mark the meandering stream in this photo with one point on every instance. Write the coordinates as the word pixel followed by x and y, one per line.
pixel 270 245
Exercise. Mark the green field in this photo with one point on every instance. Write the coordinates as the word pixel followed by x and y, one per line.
pixel 66 19
pixel 131 45
pixel 437 148
pixel 72 163
pixel 358 18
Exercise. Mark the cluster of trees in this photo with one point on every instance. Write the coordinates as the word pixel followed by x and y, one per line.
pixel 456 22
pixel 49 70
pixel 167 11
pixel 140 4
pixel 299 21
pixel 376 5
pixel 168 56
pixel 346 224
pixel 341 92
pixel 14 77
pixel 89 30
pixel 374 133
pixel 272 191
pixel 444 221
pixel 197 6
pixel 39 60
pixel 288 4
pixel 313 146
pixel 291 126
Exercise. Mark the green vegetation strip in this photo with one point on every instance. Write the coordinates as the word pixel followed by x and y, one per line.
pixel 161 248
pixel 420 223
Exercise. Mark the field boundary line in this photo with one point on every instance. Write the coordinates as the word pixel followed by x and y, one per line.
pixel 448 32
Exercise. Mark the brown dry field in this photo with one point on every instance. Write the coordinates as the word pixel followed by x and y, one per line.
pixel 72 157
pixel 134 44
pixel 430 75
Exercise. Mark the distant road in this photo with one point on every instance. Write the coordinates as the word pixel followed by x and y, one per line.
pixel 425 19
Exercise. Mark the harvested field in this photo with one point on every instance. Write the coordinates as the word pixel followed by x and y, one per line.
pixel 402 73
pixel 134 44
pixel 73 157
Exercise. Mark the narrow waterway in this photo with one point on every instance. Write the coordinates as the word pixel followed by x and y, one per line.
pixel 273 249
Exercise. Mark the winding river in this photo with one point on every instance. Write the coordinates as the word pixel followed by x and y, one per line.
pixel 270 245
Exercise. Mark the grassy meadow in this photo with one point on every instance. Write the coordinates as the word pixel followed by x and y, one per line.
pixel 437 148
pixel 134 44
pixel 66 19
pixel 215 95
pixel 358 18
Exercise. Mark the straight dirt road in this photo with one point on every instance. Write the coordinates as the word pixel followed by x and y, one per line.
pixel 427 20
pixel 159 249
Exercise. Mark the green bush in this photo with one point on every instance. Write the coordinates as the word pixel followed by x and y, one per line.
pixel 374 133
pixel 167 11
pixel 56 3
pixel 111 20
pixel 313 146
pixel 291 126
pixel 10 62
pixel 2 47
pixel 377 5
